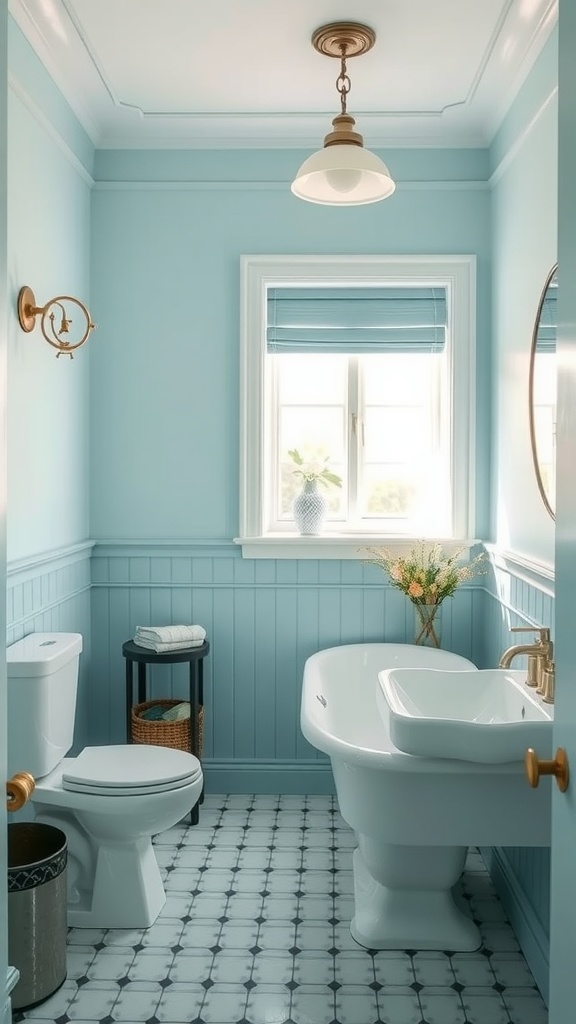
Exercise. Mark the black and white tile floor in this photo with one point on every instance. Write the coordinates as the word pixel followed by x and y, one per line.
pixel 255 929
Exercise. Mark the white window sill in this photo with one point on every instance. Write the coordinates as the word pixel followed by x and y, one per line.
pixel 336 546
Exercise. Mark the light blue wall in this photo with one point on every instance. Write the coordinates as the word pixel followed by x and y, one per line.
pixel 49 183
pixel 48 249
pixel 524 232
pixel 165 281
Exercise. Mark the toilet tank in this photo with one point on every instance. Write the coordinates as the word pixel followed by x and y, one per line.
pixel 42 671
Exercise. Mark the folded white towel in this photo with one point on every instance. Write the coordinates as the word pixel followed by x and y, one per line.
pixel 150 645
pixel 170 634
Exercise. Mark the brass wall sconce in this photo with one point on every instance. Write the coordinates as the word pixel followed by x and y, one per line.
pixel 54 310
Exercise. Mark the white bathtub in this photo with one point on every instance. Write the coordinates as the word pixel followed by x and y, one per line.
pixel 414 817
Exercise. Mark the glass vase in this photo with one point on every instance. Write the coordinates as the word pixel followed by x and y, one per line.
pixel 427 624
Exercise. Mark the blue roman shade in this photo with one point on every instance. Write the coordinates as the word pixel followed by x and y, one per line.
pixel 356 320
pixel 546 337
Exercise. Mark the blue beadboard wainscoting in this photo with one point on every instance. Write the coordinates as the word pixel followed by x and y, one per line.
pixel 263 618
pixel 521 593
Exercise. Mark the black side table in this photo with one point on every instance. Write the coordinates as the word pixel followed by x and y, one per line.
pixel 143 657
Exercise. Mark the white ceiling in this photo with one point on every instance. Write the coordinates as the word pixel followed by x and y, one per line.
pixel 243 73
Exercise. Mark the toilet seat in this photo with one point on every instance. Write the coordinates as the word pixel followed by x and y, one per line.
pixel 130 770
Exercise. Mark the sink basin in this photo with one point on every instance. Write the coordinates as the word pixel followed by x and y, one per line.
pixel 482 715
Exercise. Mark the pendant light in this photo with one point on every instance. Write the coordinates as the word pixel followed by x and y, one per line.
pixel 343 173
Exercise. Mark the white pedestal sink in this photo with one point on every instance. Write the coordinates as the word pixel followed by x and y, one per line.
pixel 414 817
pixel 487 716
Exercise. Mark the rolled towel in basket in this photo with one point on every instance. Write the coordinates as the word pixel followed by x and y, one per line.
pixel 170 634
pixel 150 645
pixel 177 713
pixel 153 713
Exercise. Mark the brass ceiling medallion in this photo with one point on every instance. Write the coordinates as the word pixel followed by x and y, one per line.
pixel 348 37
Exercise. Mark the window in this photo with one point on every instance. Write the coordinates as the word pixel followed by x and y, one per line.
pixel 369 361
pixel 543 393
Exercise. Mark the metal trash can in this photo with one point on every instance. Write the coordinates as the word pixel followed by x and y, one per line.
pixel 37 911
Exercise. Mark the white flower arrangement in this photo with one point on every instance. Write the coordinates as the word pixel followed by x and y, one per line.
pixel 314 469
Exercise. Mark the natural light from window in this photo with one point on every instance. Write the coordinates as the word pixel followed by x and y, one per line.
pixel 377 418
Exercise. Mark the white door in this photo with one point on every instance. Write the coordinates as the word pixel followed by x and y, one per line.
pixel 563 908
pixel 4 1004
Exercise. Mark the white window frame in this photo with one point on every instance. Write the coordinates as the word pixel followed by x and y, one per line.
pixel 455 273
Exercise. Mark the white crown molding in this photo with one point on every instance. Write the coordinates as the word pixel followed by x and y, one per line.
pixel 133 185
pixel 516 146
pixel 17 88
pixel 192 136
pixel 136 126
pixel 112 122
pixel 35 36
pixel 542 30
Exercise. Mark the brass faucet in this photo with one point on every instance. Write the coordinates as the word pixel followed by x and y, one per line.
pixel 540 665
pixel 548 683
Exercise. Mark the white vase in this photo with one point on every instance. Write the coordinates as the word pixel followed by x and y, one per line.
pixel 310 509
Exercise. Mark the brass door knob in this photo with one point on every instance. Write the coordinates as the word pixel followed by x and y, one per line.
pixel 19 789
pixel 558 768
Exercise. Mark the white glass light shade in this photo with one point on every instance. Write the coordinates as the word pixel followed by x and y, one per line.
pixel 343 175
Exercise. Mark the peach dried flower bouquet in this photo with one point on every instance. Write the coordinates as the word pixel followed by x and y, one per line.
pixel 426 575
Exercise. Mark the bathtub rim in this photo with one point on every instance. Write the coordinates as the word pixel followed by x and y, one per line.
pixel 387 757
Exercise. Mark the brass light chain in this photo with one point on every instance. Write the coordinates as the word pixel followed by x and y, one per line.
pixel 343 83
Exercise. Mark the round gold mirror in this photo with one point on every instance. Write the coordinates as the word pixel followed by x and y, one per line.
pixel 542 392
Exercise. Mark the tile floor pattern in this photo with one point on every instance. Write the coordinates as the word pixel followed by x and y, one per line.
pixel 255 931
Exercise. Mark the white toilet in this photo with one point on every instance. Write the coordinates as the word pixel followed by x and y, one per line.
pixel 109 801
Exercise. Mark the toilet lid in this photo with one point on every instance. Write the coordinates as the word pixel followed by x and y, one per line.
pixel 130 770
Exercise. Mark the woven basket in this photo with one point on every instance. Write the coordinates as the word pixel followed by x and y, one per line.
pixel 165 734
